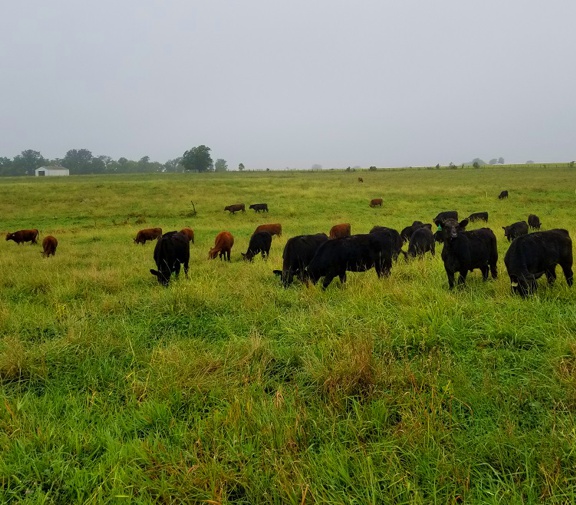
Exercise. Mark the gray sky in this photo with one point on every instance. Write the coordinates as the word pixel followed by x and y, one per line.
pixel 292 83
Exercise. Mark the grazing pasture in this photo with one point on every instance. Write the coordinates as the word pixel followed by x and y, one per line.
pixel 228 388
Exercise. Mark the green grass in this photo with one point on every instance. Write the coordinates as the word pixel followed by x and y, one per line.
pixel 227 388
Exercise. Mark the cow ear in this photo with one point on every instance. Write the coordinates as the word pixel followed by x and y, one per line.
pixel 463 223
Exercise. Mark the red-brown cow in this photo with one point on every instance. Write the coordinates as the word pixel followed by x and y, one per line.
pixel 237 207
pixel 222 246
pixel 147 234
pixel 272 229
pixel 23 236
pixel 376 202
pixel 49 244
pixel 340 230
pixel 360 179
pixel 189 232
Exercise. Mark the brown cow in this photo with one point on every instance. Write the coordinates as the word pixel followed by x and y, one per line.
pixel 49 244
pixel 272 229
pixel 237 207
pixel 360 179
pixel 147 234
pixel 23 236
pixel 222 245
pixel 189 232
pixel 340 230
pixel 376 202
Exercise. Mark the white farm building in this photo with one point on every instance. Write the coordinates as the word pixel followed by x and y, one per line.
pixel 51 171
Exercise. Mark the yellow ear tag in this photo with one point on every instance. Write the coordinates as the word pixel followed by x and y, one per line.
pixel 514 284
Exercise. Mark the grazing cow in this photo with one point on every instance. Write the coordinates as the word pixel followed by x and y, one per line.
pixel 172 250
pixel 298 253
pixel 466 250
pixel 503 194
pixel 147 234
pixel 422 241
pixel 222 246
pixel 356 253
pixel 407 232
pixel 23 236
pixel 340 230
pixel 478 216
pixel 189 232
pixel 360 179
pixel 237 207
pixel 259 207
pixel 272 228
pixel 531 256
pixel 376 202
pixel 443 216
pixel 49 245
pixel 395 239
pixel 534 222
pixel 260 242
pixel 515 230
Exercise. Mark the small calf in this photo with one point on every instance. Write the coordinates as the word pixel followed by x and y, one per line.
pixel 49 245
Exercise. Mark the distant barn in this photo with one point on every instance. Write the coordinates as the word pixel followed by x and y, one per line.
pixel 51 171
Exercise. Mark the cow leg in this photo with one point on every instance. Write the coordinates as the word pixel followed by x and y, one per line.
pixel 462 276
pixel 450 275
pixel 342 277
pixel 328 279
pixel 551 275
pixel 567 269
pixel 485 271
pixel 228 254
pixel 177 269
pixel 186 270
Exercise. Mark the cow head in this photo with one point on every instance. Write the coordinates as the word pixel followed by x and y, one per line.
pixel 248 256
pixel 523 286
pixel 450 228
pixel 507 232
pixel 163 277
pixel 9 236
pixel 212 253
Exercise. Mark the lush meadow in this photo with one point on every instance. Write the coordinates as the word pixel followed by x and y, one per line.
pixel 227 388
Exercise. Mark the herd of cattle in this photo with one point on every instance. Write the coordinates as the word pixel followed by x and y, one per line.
pixel 312 257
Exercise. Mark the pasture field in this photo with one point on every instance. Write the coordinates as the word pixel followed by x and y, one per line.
pixel 227 388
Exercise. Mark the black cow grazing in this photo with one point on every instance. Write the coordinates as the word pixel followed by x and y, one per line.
pixel 407 232
pixel 515 230
pixel 531 256
pixel 395 239
pixel 503 194
pixel 466 250
pixel 260 242
pixel 478 216
pixel 298 253
pixel 443 216
pixel 259 207
pixel 534 222
pixel 356 253
pixel 422 241
pixel 172 250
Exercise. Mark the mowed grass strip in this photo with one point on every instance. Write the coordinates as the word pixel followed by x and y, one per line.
pixel 227 388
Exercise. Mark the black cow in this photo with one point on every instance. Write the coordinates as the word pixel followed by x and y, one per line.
pixel 466 250
pixel 515 230
pixel 356 253
pixel 503 194
pixel 531 256
pixel 407 232
pixel 260 242
pixel 534 222
pixel 478 216
pixel 172 249
pixel 422 241
pixel 259 207
pixel 443 216
pixel 394 237
pixel 298 253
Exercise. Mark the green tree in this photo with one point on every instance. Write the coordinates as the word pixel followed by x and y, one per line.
pixel 501 160
pixel 197 159
pixel 79 161
pixel 174 165
pixel 493 161
pixel 241 167
pixel 220 165
pixel 27 161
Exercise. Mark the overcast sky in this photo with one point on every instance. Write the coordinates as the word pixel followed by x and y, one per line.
pixel 291 83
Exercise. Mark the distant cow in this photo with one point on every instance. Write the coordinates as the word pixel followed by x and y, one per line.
pixel 297 255
pixel 259 207
pixel 356 253
pixel 407 232
pixel 147 234
pixel 503 194
pixel 443 216
pixel 531 256
pixel 340 230
pixel 376 202
pixel 237 207
pixel 23 236
pixel 515 230
pixel 259 243
pixel 360 179
pixel 189 232
pixel 466 250
pixel 222 246
pixel 478 216
pixel 534 222
pixel 271 228
pixel 172 250
pixel 422 241
pixel 394 238
pixel 49 245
